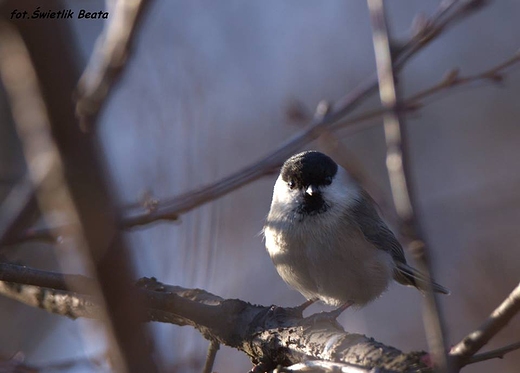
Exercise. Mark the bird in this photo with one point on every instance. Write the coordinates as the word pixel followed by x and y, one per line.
pixel 327 240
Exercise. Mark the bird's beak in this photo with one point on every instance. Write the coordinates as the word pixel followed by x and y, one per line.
pixel 311 190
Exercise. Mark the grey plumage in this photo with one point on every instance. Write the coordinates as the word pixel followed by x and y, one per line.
pixel 375 231
pixel 327 239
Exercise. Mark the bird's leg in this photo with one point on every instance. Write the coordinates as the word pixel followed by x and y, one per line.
pixel 298 310
pixel 338 311
pixel 302 307
pixel 332 315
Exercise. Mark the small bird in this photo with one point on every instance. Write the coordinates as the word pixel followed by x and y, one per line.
pixel 327 240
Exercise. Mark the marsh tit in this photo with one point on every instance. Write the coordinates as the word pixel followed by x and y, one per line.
pixel 326 238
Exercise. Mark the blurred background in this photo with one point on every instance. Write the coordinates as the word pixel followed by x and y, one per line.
pixel 209 88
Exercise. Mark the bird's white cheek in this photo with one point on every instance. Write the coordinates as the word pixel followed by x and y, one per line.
pixel 342 193
pixel 283 195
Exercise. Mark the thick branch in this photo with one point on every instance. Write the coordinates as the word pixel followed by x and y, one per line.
pixel 39 86
pixel 269 335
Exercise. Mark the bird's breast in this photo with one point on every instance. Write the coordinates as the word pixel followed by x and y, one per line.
pixel 328 259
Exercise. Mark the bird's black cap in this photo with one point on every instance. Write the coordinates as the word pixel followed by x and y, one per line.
pixel 309 168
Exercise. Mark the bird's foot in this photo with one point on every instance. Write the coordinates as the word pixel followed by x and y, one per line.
pixel 302 307
pixel 330 316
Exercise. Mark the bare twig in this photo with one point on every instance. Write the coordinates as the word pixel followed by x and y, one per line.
pixel 499 318
pixel 349 126
pixel 447 14
pixel 414 102
pixel 453 79
pixel 107 61
pixel 210 358
pixel 499 353
pixel 170 209
pixel 395 161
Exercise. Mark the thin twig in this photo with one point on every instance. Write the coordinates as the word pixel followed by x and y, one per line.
pixel 499 353
pixel 414 102
pixel 107 61
pixel 348 127
pixel 210 357
pixel 499 318
pixel 446 15
pixel 171 209
pixel 453 79
pixel 395 161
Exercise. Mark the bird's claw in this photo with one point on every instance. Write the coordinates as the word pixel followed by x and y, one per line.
pixel 323 317
pixel 330 316
pixel 302 307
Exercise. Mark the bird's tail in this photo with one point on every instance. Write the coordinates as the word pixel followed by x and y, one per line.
pixel 406 275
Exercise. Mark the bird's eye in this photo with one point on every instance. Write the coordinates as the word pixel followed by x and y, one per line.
pixel 328 180
pixel 291 184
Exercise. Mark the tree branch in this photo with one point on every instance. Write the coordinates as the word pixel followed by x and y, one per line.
pixel 171 209
pixel 499 318
pixel 38 85
pixel 352 125
pixel 270 336
pixel 210 358
pixel 108 60
pixel 451 79
pixel 499 353
pixel 399 181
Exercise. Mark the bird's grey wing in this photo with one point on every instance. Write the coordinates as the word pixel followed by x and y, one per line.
pixel 376 232
pixel 374 228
